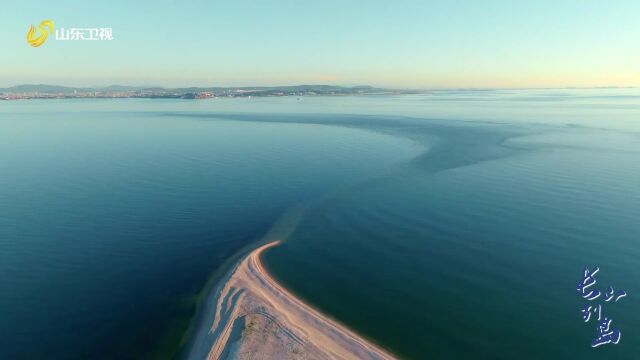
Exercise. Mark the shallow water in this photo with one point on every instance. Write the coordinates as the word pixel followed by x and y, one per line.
pixel 114 213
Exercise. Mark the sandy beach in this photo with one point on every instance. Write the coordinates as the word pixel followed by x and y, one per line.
pixel 251 316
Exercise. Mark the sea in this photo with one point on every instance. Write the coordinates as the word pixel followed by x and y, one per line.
pixel 448 224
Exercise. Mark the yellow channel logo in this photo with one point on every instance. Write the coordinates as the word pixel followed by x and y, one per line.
pixel 45 27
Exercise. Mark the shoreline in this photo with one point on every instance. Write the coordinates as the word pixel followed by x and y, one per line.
pixel 249 312
pixel 198 339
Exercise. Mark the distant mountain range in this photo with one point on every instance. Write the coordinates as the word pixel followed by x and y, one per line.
pixel 320 89
pixel 248 90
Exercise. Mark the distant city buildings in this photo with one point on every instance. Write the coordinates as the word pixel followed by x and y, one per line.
pixel 18 92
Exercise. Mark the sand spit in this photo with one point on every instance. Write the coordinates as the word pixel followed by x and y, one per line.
pixel 256 318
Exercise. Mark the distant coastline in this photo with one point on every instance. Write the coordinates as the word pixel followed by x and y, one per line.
pixel 44 91
pixel 41 91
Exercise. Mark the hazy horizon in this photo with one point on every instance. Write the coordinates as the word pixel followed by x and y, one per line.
pixel 319 84
pixel 411 44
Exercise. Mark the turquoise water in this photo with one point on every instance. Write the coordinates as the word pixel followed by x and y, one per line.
pixel 474 249
pixel 447 225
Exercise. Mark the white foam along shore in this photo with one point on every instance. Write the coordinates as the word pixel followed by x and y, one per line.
pixel 249 315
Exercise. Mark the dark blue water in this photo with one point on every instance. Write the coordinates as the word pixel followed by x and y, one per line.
pixel 111 221
pixel 448 225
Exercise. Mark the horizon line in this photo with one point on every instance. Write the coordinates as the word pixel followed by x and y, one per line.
pixel 476 88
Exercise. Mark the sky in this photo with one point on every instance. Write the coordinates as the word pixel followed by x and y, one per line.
pixel 400 44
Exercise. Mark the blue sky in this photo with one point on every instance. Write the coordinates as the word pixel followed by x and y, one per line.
pixel 414 44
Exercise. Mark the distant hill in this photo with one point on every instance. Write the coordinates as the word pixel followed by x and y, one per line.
pixel 321 89
pixel 28 88
pixel 44 91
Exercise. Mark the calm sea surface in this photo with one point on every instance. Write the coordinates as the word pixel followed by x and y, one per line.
pixel 448 225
